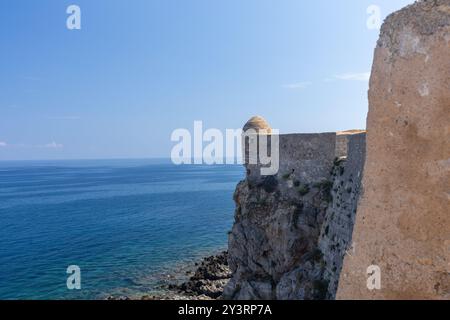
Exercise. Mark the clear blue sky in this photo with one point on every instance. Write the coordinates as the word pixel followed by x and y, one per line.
pixel 138 69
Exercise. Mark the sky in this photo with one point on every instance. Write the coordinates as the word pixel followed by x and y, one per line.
pixel 137 70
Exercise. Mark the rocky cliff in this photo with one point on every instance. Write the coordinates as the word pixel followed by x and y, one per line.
pixel 292 230
pixel 335 241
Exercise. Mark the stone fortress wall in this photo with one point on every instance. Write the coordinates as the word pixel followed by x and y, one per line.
pixel 289 225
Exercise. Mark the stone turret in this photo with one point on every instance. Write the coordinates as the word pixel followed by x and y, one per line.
pixel 255 128
pixel 257 123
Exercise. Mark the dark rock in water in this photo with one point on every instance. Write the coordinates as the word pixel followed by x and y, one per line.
pixel 209 279
pixel 118 298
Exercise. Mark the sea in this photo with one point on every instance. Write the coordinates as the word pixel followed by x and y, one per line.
pixel 128 225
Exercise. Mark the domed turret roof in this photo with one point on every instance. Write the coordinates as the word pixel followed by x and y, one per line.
pixel 257 123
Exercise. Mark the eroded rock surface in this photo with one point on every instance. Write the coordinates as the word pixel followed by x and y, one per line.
pixel 403 220
pixel 273 242
pixel 335 240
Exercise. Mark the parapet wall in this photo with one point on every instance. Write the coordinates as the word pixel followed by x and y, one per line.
pixel 308 157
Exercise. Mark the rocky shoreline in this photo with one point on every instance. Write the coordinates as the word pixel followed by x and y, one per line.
pixel 208 280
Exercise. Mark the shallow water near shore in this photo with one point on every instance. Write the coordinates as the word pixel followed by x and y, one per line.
pixel 128 224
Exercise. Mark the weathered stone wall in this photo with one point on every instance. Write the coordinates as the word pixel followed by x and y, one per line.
pixel 307 156
pixel 403 221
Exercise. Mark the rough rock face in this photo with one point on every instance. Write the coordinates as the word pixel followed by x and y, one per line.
pixel 275 244
pixel 336 234
pixel 403 220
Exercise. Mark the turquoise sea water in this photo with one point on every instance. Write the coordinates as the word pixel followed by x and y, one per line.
pixel 125 223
